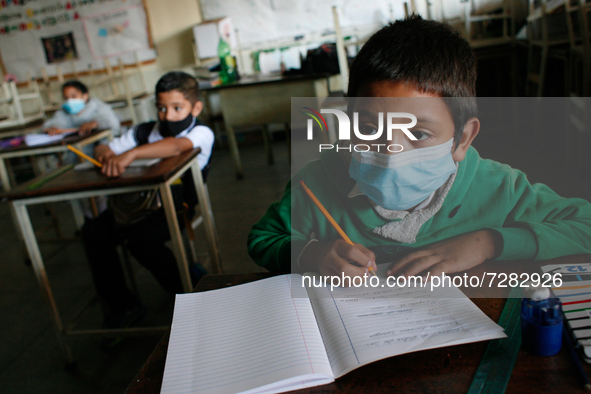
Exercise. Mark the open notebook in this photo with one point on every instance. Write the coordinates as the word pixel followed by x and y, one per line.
pixel 257 338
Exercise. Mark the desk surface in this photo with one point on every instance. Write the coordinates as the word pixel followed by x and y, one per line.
pixel 447 369
pixel 76 181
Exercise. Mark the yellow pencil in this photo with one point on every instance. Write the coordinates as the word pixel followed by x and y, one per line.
pixel 330 219
pixel 85 156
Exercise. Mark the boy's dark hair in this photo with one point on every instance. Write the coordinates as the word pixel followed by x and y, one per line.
pixel 76 85
pixel 429 55
pixel 183 82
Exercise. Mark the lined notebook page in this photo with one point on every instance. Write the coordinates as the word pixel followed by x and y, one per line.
pixel 242 338
pixel 362 325
pixel 575 295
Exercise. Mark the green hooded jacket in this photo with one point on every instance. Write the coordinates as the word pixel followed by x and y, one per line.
pixel 533 221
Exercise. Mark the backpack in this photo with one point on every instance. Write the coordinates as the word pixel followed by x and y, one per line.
pixel 132 208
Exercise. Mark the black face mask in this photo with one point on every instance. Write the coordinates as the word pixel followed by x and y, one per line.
pixel 171 129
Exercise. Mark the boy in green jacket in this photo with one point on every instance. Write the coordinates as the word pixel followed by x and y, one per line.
pixel 433 205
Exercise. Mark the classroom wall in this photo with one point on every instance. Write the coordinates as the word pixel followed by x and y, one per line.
pixel 40 36
pixel 259 22
pixel 171 23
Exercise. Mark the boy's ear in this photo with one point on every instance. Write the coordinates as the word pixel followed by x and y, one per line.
pixel 197 108
pixel 471 130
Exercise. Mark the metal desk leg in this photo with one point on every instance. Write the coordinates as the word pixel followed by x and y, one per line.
pixel 4 176
pixel 175 235
pixel 76 205
pixel 208 222
pixel 234 151
pixel 77 212
pixel 288 140
pixel 26 228
pixel 6 186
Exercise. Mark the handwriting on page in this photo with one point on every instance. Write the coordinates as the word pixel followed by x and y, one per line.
pixel 380 323
pixel 408 322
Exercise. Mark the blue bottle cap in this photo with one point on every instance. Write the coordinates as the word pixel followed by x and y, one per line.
pixel 546 312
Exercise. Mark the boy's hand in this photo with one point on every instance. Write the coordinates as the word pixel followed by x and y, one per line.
pixel 116 165
pixel 103 153
pixel 453 255
pixel 332 258
pixel 86 128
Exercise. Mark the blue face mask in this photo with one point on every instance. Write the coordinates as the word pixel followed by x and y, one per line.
pixel 402 181
pixel 73 105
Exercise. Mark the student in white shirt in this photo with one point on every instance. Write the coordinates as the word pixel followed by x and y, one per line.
pixel 177 130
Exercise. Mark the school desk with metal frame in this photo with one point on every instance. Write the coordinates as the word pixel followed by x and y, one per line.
pixel 23 150
pixel 471 368
pixel 77 141
pixel 75 184
pixel 262 100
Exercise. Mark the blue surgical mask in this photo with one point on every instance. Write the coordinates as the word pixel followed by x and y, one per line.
pixel 74 105
pixel 402 181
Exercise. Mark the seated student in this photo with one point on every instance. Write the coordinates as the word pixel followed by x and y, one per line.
pixel 80 111
pixel 177 130
pixel 447 214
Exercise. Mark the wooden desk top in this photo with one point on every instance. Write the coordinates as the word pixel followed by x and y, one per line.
pixel 32 127
pixel 447 369
pixel 70 139
pixel 76 181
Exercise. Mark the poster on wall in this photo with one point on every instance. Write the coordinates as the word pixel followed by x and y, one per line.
pixel 37 34
pixel 60 48
pixel 115 32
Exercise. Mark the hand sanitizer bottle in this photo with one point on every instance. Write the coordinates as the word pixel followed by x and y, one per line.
pixel 541 322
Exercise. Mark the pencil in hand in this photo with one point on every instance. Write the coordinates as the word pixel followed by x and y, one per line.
pixel 330 219
pixel 85 156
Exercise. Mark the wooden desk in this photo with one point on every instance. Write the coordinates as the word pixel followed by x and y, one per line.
pixel 263 100
pixel 90 183
pixel 448 369
pixel 58 146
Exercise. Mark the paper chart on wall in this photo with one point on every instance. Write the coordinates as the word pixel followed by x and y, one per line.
pixel 116 32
